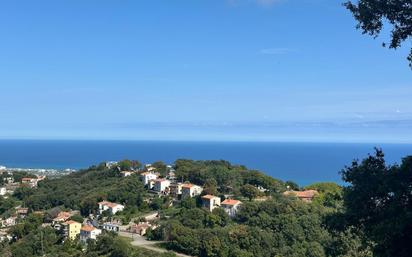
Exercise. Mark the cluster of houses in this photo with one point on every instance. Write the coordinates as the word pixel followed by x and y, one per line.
pixel 90 229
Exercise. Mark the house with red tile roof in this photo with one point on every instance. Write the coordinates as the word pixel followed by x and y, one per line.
pixel 210 202
pixel 231 206
pixel 89 232
pixel 191 190
pixel 306 196
pixel 113 208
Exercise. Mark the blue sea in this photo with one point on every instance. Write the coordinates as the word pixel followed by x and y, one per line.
pixel 303 163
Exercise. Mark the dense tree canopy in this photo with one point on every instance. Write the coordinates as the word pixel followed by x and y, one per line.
pixel 373 14
pixel 378 200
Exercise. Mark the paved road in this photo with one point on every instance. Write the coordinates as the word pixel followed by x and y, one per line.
pixel 141 241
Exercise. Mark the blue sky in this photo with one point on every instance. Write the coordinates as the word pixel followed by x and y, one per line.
pixel 260 70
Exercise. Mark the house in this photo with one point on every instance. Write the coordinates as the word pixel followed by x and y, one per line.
pixel 141 228
pixel 126 173
pixel 31 182
pixel 231 206
pixel 89 232
pixel 191 190
pixel 110 164
pixel 3 190
pixel 22 212
pixel 113 208
pixel 108 226
pixel 145 177
pixel 161 185
pixel 306 196
pixel 210 202
pixel 71 229
pixel 61 217
pixel 11 221
pixel 176 189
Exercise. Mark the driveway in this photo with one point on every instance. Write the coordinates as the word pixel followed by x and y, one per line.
pixel 141 241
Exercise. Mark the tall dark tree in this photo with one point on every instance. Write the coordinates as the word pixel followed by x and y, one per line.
pixel 378 200
pixel 373 14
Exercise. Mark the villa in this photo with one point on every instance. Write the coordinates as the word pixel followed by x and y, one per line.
pixel 89 232
pixel 161 185
pixel 71 229
pixel 231 206
pixel 145 177
pixel 306 196
pixel 210 202
pixel 113 208
pixel 191 190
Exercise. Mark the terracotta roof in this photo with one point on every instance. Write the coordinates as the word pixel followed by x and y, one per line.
pixel 230 202
pixel 208 197
pixel 302 194
pixel 62 216
pixel 27 179
pixel 109 204
pixel 88 228
pixel 70 222
pixel 187 185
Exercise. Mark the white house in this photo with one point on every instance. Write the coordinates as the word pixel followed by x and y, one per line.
pixel 161 185
pixel 89 232
pixel 190 190
pixel 3 190
pixel 108 226
pixel 210 202
pixel 231 206
pixel 145 177
pixel 113 208
pixel 126 173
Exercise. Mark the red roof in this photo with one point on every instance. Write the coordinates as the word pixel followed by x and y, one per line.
pixel 208 197
pixel 70 222
pixel 88 228
pixel 231 202
pixel 302 194
pixel 187 185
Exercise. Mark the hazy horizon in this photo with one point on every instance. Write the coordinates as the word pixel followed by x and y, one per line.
pixel 239 70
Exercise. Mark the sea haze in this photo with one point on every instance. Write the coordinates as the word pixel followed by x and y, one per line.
pixel 303 163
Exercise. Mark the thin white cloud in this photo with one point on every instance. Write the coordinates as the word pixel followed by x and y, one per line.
pixel 277 51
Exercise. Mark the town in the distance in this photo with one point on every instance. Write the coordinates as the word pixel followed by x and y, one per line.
pixel 164 191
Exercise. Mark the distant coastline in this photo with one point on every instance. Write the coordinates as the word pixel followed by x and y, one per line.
pixel 304 163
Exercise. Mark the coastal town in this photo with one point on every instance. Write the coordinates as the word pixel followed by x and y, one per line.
pixel 106 217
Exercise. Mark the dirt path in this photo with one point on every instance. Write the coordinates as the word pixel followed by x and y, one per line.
pixel 141 241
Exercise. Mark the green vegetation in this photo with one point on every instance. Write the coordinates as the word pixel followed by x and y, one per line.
pixel 372 15
pixel 369 216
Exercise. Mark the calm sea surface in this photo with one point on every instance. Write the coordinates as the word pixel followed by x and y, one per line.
pixel 303 163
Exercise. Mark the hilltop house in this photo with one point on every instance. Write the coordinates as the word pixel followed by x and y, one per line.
pixel 31 182
pixel 113 208
pixel 306 196
pixel 190 190
pixel 210 202
pixel 3 190
pixel 231 206
pixel 126 173
pixel 161 185
pixel 145 177
pixel 89 232
pixel 71 229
